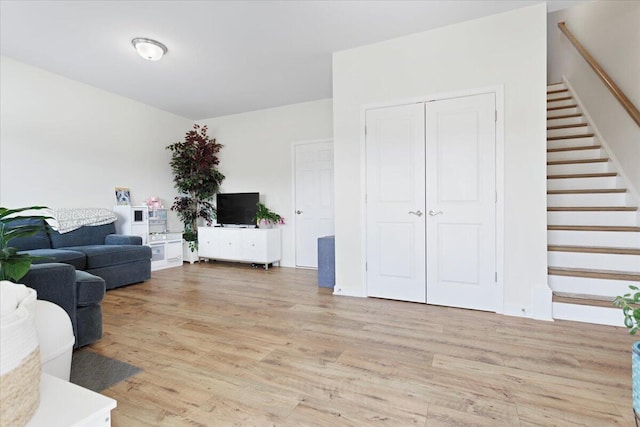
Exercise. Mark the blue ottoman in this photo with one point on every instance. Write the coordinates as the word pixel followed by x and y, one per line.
pixel 326 262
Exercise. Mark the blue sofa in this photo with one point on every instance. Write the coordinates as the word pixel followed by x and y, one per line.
pixel 75 269
pixel 118 259
pixel 77 292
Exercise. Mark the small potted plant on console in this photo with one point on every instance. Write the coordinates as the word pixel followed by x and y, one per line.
pixel 266 218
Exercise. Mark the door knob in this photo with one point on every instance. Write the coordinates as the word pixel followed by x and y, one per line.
pixel 298 211
pixel 417 213
pixel 434 213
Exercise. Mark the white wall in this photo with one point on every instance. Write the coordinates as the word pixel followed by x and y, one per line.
pixel 67 144
pixel 610 31
pixel 507 49
pixel 257 155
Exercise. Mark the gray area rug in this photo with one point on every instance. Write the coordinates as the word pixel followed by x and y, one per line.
pixel 96 372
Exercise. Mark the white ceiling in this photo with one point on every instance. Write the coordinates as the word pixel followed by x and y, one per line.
pixel 224 57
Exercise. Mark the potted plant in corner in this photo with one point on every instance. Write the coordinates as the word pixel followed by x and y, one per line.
pixel 13 266
pixel 266 218
pixel 194 163
pixel 630 305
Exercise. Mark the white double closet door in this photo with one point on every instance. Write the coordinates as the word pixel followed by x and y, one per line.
pixel 431 202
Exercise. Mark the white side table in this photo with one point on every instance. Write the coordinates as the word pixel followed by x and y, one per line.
pixel 64 404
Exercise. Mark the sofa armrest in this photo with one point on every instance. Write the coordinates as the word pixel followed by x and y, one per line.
pixel 122 239
pixel 56 283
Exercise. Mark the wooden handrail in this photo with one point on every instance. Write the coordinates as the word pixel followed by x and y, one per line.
pixel 609 83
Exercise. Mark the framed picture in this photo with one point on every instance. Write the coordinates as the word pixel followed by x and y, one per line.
pixel 123 196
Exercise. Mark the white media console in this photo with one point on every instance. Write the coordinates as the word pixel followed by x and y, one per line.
pixel 254 245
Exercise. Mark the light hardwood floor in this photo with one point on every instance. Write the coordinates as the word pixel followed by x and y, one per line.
pixel 228 345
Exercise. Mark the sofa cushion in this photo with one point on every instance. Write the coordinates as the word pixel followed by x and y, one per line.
pixel 75 258
pixel 83 236
pixel 109 255
pixel 90 289
pixel 37 241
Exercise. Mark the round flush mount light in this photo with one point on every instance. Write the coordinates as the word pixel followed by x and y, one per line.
pixel 149 49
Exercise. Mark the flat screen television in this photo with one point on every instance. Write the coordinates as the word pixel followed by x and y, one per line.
pixel 236 208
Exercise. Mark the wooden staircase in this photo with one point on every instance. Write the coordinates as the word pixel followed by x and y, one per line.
pixel 593 232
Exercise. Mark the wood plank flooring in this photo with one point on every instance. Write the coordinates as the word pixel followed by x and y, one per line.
pixel 228 345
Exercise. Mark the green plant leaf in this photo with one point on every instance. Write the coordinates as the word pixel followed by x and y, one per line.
pixel 17 269
pixel 14 265
pixel 628 322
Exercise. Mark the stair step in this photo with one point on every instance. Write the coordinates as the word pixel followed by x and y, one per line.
pixel 553 102
pixel 557 95
pixel 583 175
pixel 608 284
pixel 581 299
pixel 556 87
pixel 564 98
pixel 578 167
pixel 584 257
pixel 595 274
pixel 556 138
pixel 566 110
pixel 562 107
pixel 569 132
pixel 582 182
pixel 603 287
pixel 576 155
pixel 582 147
pixel 587 310
pixel 614 218
pixel 594 250
pixel 594 228
pixel 549 92
pixel 592 208
pixel 581 141
pixel 577 161
pixel 588 191
pixel 565 116
pixel 573 125
pixel 587 200
pixel 593 237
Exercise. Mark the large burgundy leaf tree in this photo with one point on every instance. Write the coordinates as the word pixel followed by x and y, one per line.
pixel 194 163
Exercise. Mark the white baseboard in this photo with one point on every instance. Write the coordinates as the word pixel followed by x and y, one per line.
pixel 517 311
pixel 345 292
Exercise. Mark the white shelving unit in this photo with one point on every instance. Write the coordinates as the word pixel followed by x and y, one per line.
pixel 166 250
pixel 151 225
pixel 254 245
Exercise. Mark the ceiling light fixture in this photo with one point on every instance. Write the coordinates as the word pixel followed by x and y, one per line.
pixel 149 49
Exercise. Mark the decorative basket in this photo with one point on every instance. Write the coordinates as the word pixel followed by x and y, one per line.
pixel 19 355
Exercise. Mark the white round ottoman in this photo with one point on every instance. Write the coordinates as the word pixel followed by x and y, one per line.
pixel 55 336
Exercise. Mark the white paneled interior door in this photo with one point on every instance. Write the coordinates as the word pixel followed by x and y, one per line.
pixel 395 203
pixel 313 189
pixel 461 202
pixel 431 202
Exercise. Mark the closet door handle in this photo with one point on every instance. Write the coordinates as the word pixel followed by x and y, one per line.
pixel 417 213
pixel 434 213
